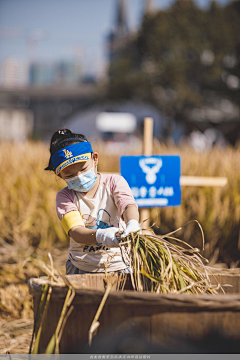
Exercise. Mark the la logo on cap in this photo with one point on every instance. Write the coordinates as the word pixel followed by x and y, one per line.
pixel 67 153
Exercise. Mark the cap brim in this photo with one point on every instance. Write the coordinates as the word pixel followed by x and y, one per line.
pixel 73 160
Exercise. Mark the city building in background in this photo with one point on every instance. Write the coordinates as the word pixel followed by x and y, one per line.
pixel 14 73
pixel 58 73
pixel 121 32
pixel 16 124
pixel 119 36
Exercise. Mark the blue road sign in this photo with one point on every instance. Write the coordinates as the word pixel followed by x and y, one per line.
pixel 154 180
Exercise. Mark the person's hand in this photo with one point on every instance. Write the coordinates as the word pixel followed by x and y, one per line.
pixel 107 237
pixel 132 226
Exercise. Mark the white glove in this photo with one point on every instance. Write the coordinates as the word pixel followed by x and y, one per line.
pixel 132 226
pixel 107 236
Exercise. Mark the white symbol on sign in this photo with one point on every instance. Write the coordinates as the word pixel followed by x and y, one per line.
pixel 143 191
pixel 150 166
pixel 152 192
pixel 135 192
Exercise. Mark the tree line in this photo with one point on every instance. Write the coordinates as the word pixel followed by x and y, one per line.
pixel 181 58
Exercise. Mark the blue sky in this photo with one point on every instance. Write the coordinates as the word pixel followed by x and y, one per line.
pixel 64 29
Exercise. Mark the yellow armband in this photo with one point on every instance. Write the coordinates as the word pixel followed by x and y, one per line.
pixel 72 219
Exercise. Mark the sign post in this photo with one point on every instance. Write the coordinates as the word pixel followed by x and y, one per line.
pixel 147 151
pixel 153 179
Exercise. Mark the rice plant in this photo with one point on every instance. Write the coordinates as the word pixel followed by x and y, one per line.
pixel 158 266
pixel 27 202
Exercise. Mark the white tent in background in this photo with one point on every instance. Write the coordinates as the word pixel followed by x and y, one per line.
pixel 114 122
pixel 92 121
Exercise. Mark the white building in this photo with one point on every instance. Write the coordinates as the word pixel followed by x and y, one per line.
pixel 15 124
pixel 14 73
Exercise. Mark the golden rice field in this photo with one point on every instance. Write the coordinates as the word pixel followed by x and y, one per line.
pixel 30 227
pixel 29 223
pixel 27 201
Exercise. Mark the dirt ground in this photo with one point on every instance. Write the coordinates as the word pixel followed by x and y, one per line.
pixel 16 312
pixel 15 336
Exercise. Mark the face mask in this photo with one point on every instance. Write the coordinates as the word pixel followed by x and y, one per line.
pixel 83 182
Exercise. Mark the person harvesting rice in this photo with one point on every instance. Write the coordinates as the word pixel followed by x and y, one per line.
pixel 93 206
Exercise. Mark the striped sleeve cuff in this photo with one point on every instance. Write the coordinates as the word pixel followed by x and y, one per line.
pixel 71 219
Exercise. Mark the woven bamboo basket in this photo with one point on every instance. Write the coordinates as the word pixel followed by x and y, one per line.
pixel 141 321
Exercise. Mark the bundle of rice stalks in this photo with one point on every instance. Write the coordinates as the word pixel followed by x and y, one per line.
pixel 54 278
pixel 159 266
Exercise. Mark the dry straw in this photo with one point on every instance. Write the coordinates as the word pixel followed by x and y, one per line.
pixel 158 266
pixel 54 279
